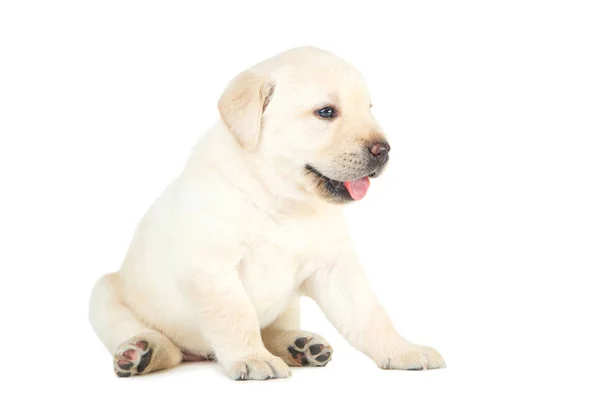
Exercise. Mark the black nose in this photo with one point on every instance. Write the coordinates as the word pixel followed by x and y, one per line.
pixel 380 150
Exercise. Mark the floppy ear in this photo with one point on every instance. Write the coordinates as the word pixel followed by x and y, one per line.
pixel 242 104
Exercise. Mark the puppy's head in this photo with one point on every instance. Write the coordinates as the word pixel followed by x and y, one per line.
pixel 305 117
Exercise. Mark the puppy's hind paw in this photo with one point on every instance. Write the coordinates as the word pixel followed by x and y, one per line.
pixel 310 351
pixel 132 358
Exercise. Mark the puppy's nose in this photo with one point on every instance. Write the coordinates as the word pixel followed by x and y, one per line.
pixel 380 149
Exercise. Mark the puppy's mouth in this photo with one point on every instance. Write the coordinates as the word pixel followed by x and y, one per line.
pixel 343 190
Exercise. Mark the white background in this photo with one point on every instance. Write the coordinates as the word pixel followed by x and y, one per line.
pixel 488 238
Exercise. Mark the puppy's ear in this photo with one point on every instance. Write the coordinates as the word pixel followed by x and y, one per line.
pixel 242 104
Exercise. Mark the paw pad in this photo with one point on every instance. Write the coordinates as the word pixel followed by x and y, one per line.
pixel 308 351
pixel 132 358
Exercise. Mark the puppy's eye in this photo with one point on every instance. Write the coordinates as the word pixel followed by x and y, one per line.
pixel 326 112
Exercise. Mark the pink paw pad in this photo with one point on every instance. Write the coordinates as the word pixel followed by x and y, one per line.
pixel 132 358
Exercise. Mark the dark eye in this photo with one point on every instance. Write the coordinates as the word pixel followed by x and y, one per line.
pixel 326 112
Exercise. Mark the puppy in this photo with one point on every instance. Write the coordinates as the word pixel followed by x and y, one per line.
pixel 217 265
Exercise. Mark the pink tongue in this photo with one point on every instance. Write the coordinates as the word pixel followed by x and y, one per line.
pixel 358 188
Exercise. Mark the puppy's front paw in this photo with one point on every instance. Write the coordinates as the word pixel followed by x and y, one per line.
pixel 259 367
pixel 413 358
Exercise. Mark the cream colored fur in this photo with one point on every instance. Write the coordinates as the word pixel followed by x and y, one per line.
pixel 231 244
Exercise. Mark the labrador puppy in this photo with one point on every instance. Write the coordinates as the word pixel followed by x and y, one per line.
pixel 217 265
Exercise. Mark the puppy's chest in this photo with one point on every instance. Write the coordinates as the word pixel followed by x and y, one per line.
pixel 279 258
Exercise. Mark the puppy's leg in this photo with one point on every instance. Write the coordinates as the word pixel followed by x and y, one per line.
pixel 344 295
pixel 297 348
pixel 136 349
pixel 228 321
